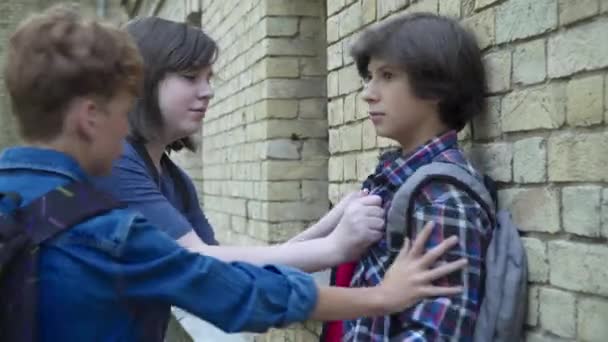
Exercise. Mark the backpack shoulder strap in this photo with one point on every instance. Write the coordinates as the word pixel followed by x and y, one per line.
pixel 402 205
pixel 62 208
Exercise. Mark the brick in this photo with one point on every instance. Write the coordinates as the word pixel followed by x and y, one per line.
pixel 464 133
pixel 334 56
pixel 494 159
pixel 368 137
pixel 428 6
pixel 488 125
pixel 351 19
pixel 536 252
pixel 529 62
pixel 336 169
pixel 533 306
pixel 350 111
pixel 282 149
pixel 518 19
pixel 350 167
pixel 483 25
pixel 296 211
pixel 534 108
pixel 579 48
pixel 312 27
pixel 558 312
pixel 289 47
pixel 479 4
pixel 581 210
pixel 351 137
pixel 585 105
pixel 293 7
pixel 578 158
pixel 277 67
pixel 334 6
pixel 530 160
pixel 296 129
pixel 333 29
pixel 498 69
pixel 280 26
pixel 313 108
pixel 335 141
pixel 368 9
pixel 349 80
pixel 313 66
pixel 294 170
pixel 450 8
pixel 592 313
pixel 366 164
pixel 579 267
pixel 533 209
pixel 386 7
pixel 314 191
pixel 314 149
pixel 238 224
pixel 335 110
pixel 605 213
pixel 293 88
pixel 334 193
pixel 571 11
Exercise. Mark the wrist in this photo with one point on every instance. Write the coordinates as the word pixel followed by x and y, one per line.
pixel 331 251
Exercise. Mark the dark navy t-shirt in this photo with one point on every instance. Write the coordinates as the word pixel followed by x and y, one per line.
pixel 131 183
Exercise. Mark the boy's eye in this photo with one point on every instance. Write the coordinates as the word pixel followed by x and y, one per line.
pixel 387 75
pixel 189 77
pixel 366 78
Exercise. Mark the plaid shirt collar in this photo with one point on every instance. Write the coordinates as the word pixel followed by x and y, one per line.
pixel 394 168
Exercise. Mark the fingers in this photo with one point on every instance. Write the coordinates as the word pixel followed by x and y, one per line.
pixel 374 200
pixel 438 291
pixel 421 239
pixel 438 251
pixel 443 270
pixel 373 223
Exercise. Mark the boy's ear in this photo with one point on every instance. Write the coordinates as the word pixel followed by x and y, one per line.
pixel 86 116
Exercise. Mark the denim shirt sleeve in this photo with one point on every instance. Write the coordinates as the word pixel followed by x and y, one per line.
pixel 131 184
pixel 232 296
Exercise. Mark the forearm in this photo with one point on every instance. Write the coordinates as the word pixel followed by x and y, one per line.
pixel 320 229
pixel 310 256
pixel 338 303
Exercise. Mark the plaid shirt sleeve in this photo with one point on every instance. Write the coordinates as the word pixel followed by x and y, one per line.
pixel 448 318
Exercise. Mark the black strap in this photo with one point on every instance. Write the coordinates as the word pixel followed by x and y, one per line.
pixel 178 179
pixel 61 209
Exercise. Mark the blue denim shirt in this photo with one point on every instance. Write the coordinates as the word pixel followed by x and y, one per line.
pixel 100 280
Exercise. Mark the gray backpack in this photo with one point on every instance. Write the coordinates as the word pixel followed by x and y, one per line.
pixel 503 306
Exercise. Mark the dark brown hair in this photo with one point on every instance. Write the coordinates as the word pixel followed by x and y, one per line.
pixel 56 56
pixel 442 61
pixel 166 47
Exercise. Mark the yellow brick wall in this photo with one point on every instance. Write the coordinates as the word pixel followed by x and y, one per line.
pixel 545 139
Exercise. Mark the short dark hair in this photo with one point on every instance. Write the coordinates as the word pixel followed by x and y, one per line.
pixel 441 58
pixel 166 46
pixel 58 55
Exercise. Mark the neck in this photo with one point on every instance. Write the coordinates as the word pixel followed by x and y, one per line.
pixel 77 150
pixel 412 141
pixel 156 150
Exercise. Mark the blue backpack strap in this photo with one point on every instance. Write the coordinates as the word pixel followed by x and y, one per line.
pixel 62 208
pixel 20 236
pixel 402 205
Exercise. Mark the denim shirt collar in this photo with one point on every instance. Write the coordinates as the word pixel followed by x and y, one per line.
pixel 41 159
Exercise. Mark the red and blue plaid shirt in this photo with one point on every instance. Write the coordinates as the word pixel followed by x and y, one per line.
pixel 454 213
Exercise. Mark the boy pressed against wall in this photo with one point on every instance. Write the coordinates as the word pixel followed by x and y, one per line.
pixel 423 81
